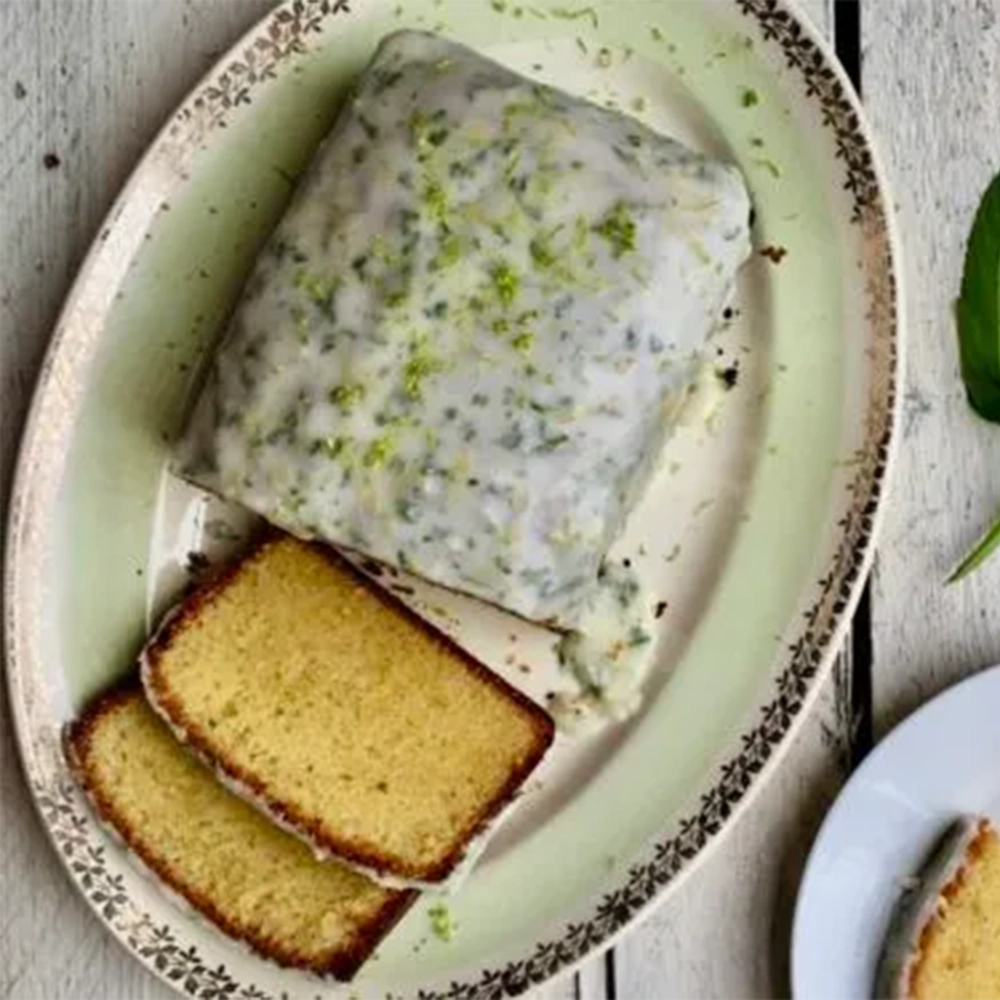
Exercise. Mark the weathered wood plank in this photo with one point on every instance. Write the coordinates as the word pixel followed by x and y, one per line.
pixel 726 930
pixel 932 87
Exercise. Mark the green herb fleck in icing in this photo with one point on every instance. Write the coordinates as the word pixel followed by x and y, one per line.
pixel 301 321
pixel 523 342
pixel 749 98
pixel 505 282
pixel 422 362
pixel 541 252
pixel 331 447
pixel 618 229
pixel 379 451
pixel 347 395
pixel 435 200
pixel 317 289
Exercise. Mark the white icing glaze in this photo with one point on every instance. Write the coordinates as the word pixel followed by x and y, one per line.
pixel 466 343
pixel 609 653
pixel 922 899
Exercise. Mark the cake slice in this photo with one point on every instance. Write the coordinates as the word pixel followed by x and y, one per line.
pixel 252 880
pixel 344 717
pixel 943 939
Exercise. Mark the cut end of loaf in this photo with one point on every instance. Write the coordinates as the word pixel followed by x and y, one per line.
pixel 342 715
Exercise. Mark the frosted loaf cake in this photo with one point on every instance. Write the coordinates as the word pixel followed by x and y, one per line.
pixel 467 341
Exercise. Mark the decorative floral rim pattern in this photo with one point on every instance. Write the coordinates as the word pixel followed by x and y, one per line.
pixel 284 33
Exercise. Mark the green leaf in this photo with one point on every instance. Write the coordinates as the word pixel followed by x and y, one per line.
pixel 977 314
pixel 981 551
pixel 978 308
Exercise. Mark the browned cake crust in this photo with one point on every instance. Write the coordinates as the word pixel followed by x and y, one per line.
pixel 973 853
pixel 341 963
pixel 317 834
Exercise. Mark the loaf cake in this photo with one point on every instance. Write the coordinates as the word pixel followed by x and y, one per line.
pixel 252 880
pixel 944 939
pixel 341 715
pixel 463 348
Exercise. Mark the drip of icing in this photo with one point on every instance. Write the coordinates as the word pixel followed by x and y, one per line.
pixel 609 652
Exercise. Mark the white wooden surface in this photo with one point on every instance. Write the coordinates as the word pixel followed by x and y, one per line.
pixel 932 85
pixel 92 81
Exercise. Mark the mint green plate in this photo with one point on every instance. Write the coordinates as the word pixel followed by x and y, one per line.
pixel 756 536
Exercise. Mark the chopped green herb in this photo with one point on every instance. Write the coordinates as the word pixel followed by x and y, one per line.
pixel 408 511
pixel 618 229
pixel 379 452
pixel 770 166
pixel 347 395
pixel 421 364
pixel 442 924
pixel 638 636
pixel 500 6
pixel 506 282
pixel 367 127
pixel 639 104
pixel 317 289
pixel 575 13
pixel 301 321
pixel 541 253
pixel 656 34
pixel 550 444
pixel 749 98
pixel 450 253
pixel 331 447
pixel 436 200
pixel 523 342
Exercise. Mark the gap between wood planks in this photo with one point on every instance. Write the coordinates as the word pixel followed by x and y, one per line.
pixel 846 25
pixel 599 980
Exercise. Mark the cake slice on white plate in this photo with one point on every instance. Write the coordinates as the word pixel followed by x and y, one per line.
pixel 944 939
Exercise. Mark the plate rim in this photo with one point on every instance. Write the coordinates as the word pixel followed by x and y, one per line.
pixel 789 689
pixel 955 691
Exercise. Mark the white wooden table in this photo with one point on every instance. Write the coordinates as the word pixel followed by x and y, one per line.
pixel 83 88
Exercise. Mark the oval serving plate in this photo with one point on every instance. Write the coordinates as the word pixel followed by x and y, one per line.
pixel 755 537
